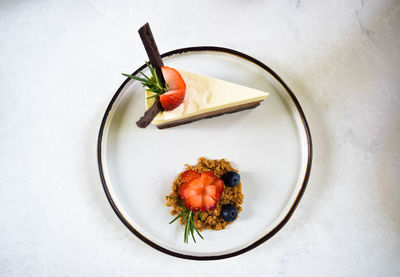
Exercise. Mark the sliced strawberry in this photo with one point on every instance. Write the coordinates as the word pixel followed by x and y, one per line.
pixel 201 193
pixel 189 175
pixel 209 203
pixel 219 184
pixel 182 189
pixel 207 178
pixel 172 99
pixel 177 89
pixel 173 78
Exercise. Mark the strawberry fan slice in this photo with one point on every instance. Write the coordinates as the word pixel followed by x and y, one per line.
pixel 200 192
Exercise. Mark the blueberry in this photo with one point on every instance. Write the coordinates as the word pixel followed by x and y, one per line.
pixel 229 212
pixel 231 179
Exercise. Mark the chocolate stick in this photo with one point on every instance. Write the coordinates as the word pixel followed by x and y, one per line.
pixel 156 62
pixel 151 113
pixel 152 50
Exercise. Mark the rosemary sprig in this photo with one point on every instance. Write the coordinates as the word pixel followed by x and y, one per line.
pixel 188 220
pixel 152 83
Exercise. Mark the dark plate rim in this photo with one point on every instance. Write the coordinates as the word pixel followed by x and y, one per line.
pixel 292 208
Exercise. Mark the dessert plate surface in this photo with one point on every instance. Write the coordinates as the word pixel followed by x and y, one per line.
pixel 270 145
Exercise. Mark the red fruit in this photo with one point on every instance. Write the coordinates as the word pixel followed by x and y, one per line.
pixel 189 175
pixel 173 78
pixel 172 99
pixel 177 89
pixel 201 193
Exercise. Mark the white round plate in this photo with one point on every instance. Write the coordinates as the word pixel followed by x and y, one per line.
pixel 269 145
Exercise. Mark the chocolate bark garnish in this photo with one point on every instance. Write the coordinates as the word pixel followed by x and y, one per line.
pixel 156 62
pixel 152 50
pixel 151 113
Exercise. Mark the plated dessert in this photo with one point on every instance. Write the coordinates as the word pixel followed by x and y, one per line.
pixel 176 96
pixel 207 195
pixel 134 162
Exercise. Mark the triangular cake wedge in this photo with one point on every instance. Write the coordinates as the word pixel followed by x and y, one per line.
pixel 207 97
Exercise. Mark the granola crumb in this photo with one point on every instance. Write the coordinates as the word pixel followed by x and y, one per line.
pixel 209 219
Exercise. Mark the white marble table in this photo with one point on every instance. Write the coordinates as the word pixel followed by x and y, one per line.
pixel 59 66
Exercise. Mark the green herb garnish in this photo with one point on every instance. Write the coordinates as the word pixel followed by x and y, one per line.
pixel 152 83
pixel 187 219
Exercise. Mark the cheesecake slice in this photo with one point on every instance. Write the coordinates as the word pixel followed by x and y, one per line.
pixel 206 97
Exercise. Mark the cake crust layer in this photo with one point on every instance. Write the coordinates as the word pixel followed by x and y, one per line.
pixel 209 115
